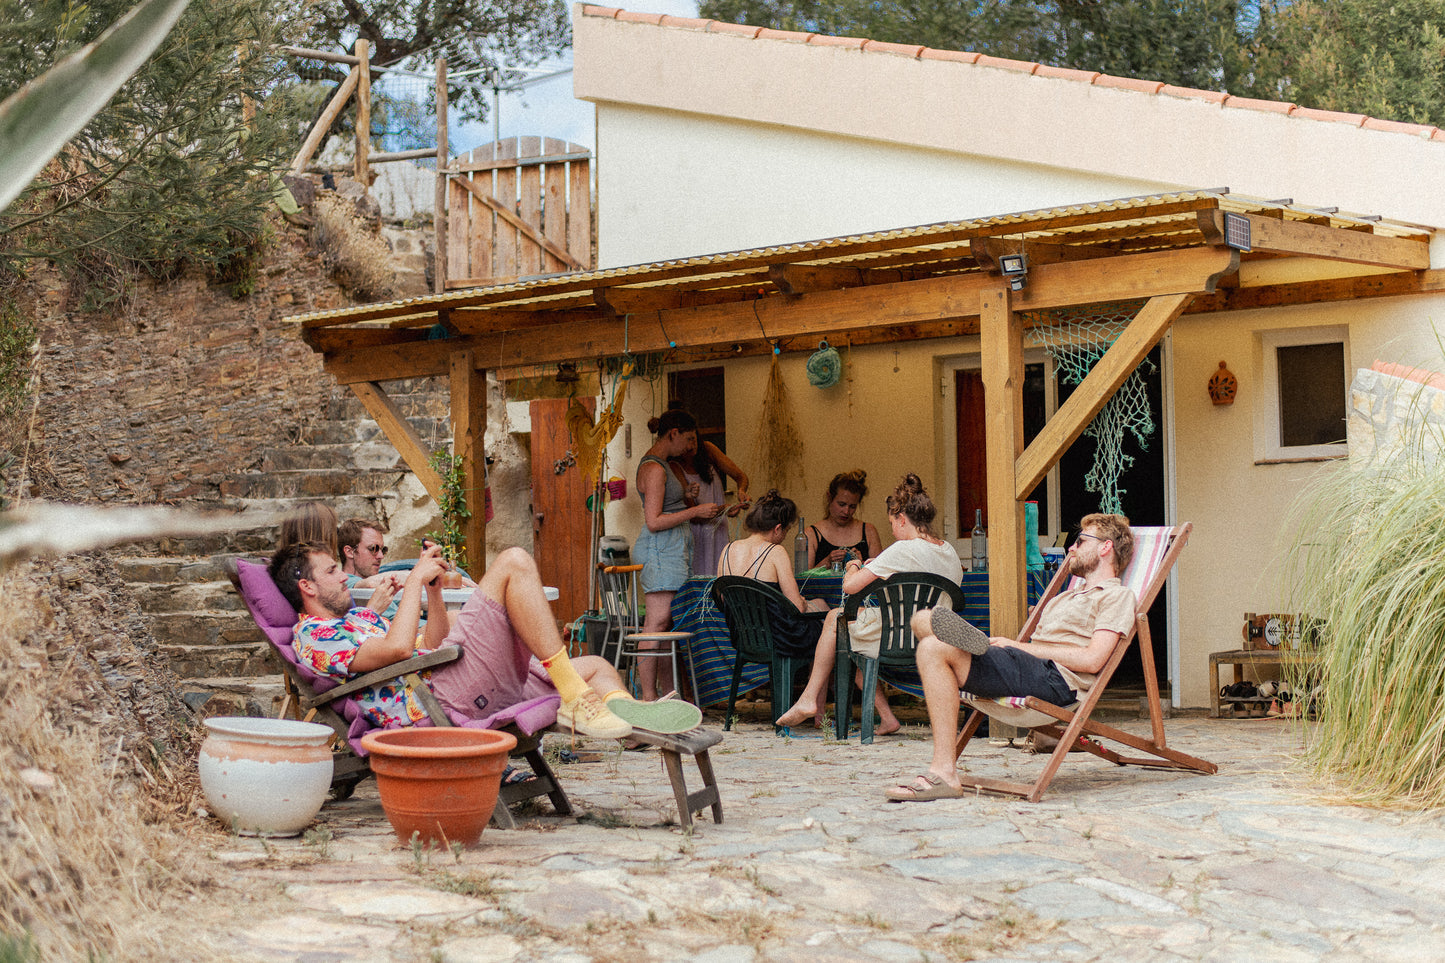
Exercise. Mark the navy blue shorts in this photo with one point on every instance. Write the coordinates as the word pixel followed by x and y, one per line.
pixel 1007 671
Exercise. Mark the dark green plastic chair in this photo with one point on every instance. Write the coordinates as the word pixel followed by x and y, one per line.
pixel 899 596
pixel 744 604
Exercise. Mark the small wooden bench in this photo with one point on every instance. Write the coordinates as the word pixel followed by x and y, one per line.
pixel 1240 658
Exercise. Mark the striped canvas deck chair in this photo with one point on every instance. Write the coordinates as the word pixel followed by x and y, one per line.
pixel 1155 552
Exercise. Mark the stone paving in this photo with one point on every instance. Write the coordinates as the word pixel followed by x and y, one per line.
pixel 812 864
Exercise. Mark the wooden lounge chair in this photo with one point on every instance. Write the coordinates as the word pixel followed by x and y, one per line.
pixel 1156 550
pixel 898 596
pixel 320 699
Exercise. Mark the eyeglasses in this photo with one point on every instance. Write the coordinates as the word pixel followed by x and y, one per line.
pixel 1083 535
pixel 376 549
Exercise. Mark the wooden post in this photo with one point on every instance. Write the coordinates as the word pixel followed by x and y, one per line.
pixel 1002 345
pixel 363 112
pixel 439 215
pixel 324 122
pixel 469 430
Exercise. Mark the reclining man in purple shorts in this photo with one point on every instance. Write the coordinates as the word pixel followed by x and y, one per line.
pixel 511 650
pixel 1076 634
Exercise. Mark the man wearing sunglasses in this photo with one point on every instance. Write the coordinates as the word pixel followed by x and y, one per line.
pixel 363 546
pixel 1076 634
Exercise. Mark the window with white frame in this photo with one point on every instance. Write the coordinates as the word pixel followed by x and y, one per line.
pixel 1303 393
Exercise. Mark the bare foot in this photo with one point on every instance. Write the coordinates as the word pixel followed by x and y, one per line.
pixel 887 728
pixel 798 714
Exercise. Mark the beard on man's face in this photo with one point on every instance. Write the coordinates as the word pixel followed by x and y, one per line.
pixel 1082 567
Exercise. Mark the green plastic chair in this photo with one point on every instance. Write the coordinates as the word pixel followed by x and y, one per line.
pixel 899 597
pixel 744 604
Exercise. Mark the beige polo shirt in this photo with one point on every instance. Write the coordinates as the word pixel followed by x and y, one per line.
pixel 1072 617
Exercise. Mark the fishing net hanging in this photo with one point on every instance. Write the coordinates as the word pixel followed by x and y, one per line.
pixel 1075 339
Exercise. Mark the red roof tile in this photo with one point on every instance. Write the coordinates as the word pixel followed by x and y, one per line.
pixel 1310 113
pixel 1067 73
pixel 897 49
pixel 789 36
pixel 609 12
pixel 1192 93
pixel 686 23
pixel 741 29
pixel 1397 127
pixel 1249 103
pixel 1129 83
pixel 957 56
pixel 1024 66
pixel 653 18
pixel 823 40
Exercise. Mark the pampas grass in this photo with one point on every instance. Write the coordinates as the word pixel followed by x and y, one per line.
pixel 1368 572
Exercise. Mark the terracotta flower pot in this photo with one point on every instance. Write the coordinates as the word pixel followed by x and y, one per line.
pixel 438 782
pixel 265 777
pixel 452 579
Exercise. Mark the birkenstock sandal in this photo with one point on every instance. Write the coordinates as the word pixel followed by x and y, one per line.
pixel 936 789
pixel 953 629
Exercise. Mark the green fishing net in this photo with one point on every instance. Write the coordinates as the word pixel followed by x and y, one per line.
pixel 1075 339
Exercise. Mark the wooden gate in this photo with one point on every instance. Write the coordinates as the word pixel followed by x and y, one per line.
pixel 518 207
pixel 561 523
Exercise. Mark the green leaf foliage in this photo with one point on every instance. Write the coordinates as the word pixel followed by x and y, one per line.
pixel 476 37
pixel 168 173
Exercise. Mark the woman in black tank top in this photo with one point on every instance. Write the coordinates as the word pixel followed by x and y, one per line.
pixel 841 536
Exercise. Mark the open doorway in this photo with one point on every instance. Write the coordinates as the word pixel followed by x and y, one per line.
pixel 1062 497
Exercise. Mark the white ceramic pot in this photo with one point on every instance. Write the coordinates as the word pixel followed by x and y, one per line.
pixel 265 777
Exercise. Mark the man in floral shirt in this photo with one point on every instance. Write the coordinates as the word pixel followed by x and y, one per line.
pixel 511 650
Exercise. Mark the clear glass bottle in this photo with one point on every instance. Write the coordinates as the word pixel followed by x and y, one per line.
pixel 979 562
pixel 800 549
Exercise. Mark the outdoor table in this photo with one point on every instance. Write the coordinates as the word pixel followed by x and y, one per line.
pixel 713 653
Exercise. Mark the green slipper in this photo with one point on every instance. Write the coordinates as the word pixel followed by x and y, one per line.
pixel 665 716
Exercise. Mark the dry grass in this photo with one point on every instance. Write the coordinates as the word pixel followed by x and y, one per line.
pixel 357 257
pixel 92 865
pixel 778 447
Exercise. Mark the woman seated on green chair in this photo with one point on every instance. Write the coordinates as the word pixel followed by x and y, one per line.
pixel 759 557
pixel 915 549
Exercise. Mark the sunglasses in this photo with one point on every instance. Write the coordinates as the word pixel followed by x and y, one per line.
pixel 375 549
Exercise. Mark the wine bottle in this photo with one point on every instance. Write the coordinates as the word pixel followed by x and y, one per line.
pixel 800 549
pixel 979 562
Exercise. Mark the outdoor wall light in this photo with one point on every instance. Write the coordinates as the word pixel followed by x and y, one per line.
pixel 1015 267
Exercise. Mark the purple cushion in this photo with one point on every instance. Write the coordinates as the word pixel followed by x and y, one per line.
pixel 275 617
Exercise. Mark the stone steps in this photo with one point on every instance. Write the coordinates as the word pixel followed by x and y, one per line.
pixel 196 616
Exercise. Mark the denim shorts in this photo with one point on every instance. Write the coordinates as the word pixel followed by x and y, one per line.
pixel 666 558
pixel 1007 671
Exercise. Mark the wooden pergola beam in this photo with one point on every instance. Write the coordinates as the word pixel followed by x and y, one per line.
pixel 1069 422
pixel 1299 238
pixel 469 429
pixel 951 299
pixel 400 433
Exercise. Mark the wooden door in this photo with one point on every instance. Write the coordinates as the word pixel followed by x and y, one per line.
pixel 561 524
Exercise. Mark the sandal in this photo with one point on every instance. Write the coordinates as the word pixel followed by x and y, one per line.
pixel 936 789
pixel 512 776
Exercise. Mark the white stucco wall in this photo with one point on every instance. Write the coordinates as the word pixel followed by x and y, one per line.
pixel 781 186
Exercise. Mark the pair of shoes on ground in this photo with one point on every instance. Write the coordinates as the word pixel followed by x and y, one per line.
pixel 953 629
pixel 587 715
pixel 925 788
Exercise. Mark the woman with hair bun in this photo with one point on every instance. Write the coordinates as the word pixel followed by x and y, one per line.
pixel 758 557
pixel 840 536
pixel 665 545
pixel 916 549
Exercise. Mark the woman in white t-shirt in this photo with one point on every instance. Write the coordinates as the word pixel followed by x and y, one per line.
pixel 916 549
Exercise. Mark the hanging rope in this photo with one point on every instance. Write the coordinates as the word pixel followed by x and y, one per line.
pixel 1076 338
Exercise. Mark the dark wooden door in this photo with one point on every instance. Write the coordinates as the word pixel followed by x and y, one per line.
pixel 561 524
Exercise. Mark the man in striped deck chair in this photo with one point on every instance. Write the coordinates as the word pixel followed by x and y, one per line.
pixel 1076 634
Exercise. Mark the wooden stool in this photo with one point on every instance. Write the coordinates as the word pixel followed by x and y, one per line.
pixel 694 743
pixel 668 644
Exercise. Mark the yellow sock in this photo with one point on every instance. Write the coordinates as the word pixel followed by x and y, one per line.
pixel 618 694
pixel 570 685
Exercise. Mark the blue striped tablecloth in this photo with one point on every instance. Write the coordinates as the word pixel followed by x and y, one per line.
pixel 713 654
